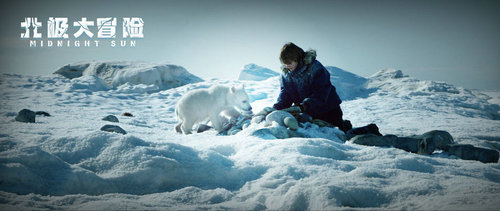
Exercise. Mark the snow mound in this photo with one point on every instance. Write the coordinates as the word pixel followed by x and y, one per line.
pixel 349 86
pixel 253 72
pixel 460 100
pixel 114 74
pixel 99 162
pixel 394 81
pixel 87 83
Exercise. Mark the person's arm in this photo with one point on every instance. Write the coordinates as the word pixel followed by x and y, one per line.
pixel 284 100
pixel 321 91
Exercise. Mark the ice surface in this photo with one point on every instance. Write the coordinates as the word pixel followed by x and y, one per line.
pixel 65 162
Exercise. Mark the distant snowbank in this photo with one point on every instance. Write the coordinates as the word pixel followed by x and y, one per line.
pixel 253 72
pixel 115 74
pixel 494 94
pixel 349 85
pixel 391 81
pixel 463 101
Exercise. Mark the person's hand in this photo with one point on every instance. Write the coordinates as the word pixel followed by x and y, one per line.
pixel 294 110
pixel 303 107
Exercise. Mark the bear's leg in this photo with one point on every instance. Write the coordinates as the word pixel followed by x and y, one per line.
pixel 178 127
pixel 216 123
pixel 187 126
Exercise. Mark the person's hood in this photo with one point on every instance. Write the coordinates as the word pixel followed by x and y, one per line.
pixel 309 57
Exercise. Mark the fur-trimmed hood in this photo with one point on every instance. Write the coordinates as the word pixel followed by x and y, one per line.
pixel 309 57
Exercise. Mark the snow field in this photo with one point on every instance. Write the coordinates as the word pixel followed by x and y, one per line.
pixel 65 162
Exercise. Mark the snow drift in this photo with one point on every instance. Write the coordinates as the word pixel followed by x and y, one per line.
pixel 462 101
pixel 65 162
pixel 349 86
pixel 114 74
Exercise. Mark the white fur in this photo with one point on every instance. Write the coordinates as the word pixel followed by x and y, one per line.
pixel 199 104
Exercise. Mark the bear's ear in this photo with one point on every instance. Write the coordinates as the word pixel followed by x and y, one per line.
pixel 242 86
pixel 232 90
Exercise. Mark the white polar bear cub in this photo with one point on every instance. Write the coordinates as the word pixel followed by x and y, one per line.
pixel 199 104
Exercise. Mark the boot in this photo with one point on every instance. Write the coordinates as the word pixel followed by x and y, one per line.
pixel 346 125
pixel 303 118
pixel 469 152
pixel 371 128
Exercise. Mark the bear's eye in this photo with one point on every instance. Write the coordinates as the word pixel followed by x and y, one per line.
pixel 244 101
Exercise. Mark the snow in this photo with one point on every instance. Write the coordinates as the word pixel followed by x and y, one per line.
pixel 115 74
pixel 253 72
pixel 65 162
pixel 349 86
pixel 494 96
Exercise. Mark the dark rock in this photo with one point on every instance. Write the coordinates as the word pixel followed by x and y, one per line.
pixel 291 123
pixel 265 111
pixel 420 146
pixel 303 118
pixel 279 131
pixel 322 123
pixel 278 117
pixel 295 134
pixel 110 118
pixel 368 129
pixel 127 114
pixel 374 140
pixel 246 124
pixel 441 139
pixel 264 133
pixel 42 113
pixel 469 152
pixel 26 115
pixel 274 132
pixel 233 131
pixel 294 110
pixel 258 119
pixel 346 125
pixel 202 128
pixel 235 125
pixel 113 128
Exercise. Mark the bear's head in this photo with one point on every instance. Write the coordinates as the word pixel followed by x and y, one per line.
pixel 240 99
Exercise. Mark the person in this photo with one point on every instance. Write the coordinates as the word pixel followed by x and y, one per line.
pixel 305 83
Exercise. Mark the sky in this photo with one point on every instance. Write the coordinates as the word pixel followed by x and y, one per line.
pixel 454 41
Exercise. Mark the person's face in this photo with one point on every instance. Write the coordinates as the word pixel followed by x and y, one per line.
pixel 291 65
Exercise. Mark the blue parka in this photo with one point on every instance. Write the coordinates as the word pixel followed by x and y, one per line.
pixel 309 84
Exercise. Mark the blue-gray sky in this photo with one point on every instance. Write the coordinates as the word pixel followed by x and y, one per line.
pixel 453 41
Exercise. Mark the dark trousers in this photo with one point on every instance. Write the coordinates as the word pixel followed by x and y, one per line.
pixel 334 117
